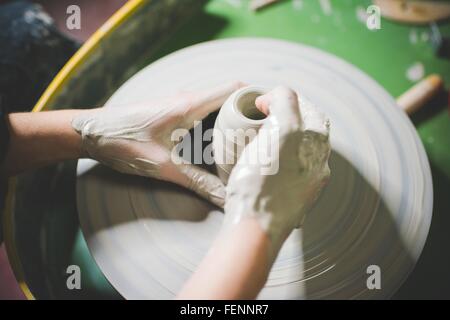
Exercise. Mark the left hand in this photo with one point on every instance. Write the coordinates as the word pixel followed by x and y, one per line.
pixel 137 139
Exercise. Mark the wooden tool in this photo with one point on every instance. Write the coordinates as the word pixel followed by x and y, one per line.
pixel 417 96
pixel 259 4
pixel 416 12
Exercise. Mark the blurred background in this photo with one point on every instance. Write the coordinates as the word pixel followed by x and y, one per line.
pixel 95 13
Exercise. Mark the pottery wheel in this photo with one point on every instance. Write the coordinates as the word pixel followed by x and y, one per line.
pixel 148 236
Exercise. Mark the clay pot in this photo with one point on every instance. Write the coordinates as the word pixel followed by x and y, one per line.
pixel 237 123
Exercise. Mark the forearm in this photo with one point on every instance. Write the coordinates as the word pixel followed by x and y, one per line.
pixel 39 139
pixel 236 267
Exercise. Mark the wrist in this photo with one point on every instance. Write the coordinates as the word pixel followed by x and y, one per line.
pixel 78 137
pixel 235 267
pixel 275 231
pixel 40 138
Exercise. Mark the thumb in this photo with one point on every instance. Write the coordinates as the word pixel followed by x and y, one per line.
pixel 282 106
pixel 202 182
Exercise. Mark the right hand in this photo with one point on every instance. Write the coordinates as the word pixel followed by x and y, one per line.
pixel 280 201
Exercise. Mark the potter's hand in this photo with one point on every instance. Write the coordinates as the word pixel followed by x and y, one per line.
pixel 279 201
pixel 137 139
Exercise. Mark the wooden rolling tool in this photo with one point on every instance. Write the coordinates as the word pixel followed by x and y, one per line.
pixel 256 5
pixel 416 97
pixel 415 12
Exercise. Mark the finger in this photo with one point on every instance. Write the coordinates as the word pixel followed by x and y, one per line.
pixel 205 102
pixel 282 106
pixel 203 183
pixel 198 180
pixel 262 103
pixel 160 163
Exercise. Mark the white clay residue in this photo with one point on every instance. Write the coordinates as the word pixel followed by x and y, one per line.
pixel 235 3
pixel 326 7
pixel 361 14
pixel 415 72
pixel 30 16
pixel 425 36
pixel 413 38
pixel 297 4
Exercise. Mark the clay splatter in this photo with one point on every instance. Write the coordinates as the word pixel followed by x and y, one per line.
pixel 31 16
pixel 361 14
pixel 413 38
pixel 326 7
pixel 415 72
pixel 235 3
pixel 425 36
pixel 297 4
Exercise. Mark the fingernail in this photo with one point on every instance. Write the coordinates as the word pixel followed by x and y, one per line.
pixel 262 103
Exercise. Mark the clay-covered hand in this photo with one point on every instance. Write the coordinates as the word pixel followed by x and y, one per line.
pixel 137 139
pixel 279 198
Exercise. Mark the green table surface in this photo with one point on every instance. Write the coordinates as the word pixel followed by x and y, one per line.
pixel 385 55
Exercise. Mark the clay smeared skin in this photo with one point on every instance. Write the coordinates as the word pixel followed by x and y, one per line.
pixel 136 139
pixel 280 201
